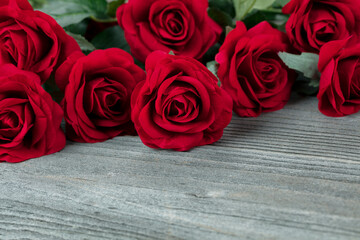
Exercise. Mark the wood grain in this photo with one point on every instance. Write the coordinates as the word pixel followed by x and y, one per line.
pixel 292 174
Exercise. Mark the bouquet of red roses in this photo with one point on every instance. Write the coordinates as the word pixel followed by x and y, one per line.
pixel 170 71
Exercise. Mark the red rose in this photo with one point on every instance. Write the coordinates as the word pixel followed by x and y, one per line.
pixel 339 64
pixel 251 71
pixel 179 105
pixel 182 26
pixel 315 22
pixel 20 4
pixel 98 90
pixel 29 118
pixel 32 40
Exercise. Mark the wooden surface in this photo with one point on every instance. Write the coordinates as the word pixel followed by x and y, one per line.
pixel 292 174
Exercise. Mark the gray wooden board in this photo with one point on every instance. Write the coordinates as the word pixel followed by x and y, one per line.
pixel 291 174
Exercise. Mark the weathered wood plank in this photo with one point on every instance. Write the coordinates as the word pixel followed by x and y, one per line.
pixel 289 174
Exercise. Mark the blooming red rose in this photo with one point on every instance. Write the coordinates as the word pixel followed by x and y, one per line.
pixel 179 105
pixel 315 22
pixel 182 26
pixel 32 40
pixel 251 71
pixel 98 90
pixel 29 118
pixel 339 64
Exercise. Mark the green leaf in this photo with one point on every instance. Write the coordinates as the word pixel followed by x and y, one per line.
pixel 51 87
pixel 113 6
pixel 213 67
pixel 226 6
pixel 78 28
pixel 67 12
pixel 211 53
pixel 306 86
pixel 222 18
pixel 243 7
pixel 273 16
pixel 112 37
pixel 281 2
pixel 37 3
pixel 228 29
pixel 306 66
pixel 84 44
pixel 140 64
pixel 305 63
pixel 263 4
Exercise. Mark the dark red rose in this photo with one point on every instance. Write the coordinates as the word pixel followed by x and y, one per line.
pixel 32 40
pixel 29 118
pixel 339 64
pixel 251 71
pixel 182 26
pixel 179 105
pixel 98 90
pixel 315 22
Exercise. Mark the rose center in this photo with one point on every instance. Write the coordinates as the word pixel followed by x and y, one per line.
pixel 9 126
pixel 183 108
pixel 268 69
pixel 22 46
pixel 174 23
pixel 8 120
pixel 113 102
pixel 105 98
pixel 176 108
pixel 326 32
pixel 181 102
pixel 324 23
